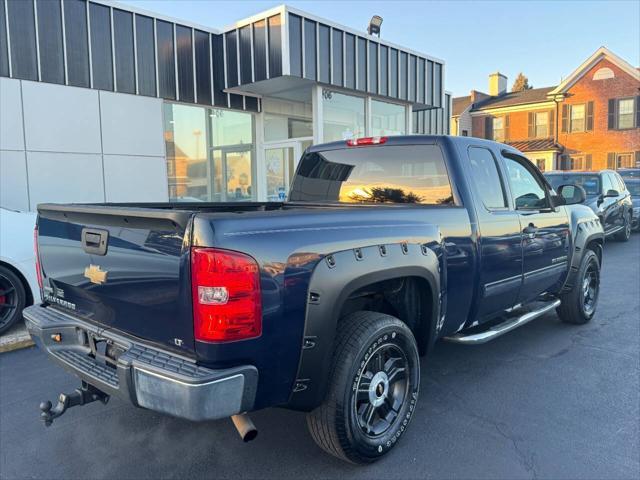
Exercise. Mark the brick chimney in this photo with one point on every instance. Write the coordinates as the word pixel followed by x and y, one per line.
pixel 497 84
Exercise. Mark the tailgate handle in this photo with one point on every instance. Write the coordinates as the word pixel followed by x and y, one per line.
pixel 95 241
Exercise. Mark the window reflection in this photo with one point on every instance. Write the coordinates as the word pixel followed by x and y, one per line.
pixel 343 116
pixel 209 154
pixel 394 174
pixel 387 119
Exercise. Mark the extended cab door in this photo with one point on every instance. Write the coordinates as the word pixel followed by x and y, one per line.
pixel 499 242
pixel 545 229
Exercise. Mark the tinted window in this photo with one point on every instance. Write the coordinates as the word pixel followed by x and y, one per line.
pixel 23 40
pixel 607 183
pixel 400 174
pixel 50 39
pixel 486 177
pixel 525 188
pixel 75 21
pixel 590 183
pixel 634 188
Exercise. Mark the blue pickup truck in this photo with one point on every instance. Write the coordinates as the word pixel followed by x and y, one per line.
pixel 323 303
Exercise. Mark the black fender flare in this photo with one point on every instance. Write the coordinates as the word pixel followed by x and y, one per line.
pixel 586 229
pixel 332 282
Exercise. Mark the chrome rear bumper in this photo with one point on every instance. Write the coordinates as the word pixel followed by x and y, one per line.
pixel 146 376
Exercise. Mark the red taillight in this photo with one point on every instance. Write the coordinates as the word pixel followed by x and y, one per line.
pixel 359 142
pixel 37 255
pixel 227 303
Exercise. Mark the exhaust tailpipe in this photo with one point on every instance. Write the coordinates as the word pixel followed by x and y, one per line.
pixel 245 427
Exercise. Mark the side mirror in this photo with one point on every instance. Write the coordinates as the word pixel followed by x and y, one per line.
pixel 611 193
pixel 572 194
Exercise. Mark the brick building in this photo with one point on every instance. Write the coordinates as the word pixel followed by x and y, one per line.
pixel 590 121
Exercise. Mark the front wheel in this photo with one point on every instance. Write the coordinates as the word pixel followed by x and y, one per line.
pixel 579 304
pixel 373 388
pixel 13 298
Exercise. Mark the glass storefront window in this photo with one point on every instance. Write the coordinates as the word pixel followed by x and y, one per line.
pixel 186 144
pixel 387 119
pixel 209 154
pixel 343 116
pixel 282 127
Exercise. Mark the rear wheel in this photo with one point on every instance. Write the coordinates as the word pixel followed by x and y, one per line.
pixel 624 234
pixel 579 305
pixel 373 388
pixel 13 298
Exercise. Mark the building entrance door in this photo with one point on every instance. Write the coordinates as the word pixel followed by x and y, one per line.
pixel 281 160
pixel 231 174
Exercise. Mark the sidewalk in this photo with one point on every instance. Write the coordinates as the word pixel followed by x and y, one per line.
pixel 16 338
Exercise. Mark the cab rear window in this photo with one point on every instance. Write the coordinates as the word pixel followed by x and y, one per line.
pixel 381 174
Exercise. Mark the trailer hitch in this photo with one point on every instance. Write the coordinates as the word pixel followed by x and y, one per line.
pixel 80 396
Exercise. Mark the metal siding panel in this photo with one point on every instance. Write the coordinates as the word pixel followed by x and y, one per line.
pixel 429 100
pixel 437 84
pixel 217 57
pixel 245 55
pixel 402 79
pixel 338 57
pixel 236 101
pixel 102 62
pixel 75 27
pixel 166 60
pixel 123 45
pixel 22 32
pixel 421 84
pixel 232 58
pixel 412 77
pixel 350 61
pixel 251 104
pixel 324 75
pixel 50 41
pixel 275 46
pixel 184 51
pixel 146 56
pixel 393 66
pixel 203 67
pixel 310 50
pixel 384 70
pixel 373 67
pixel 260 50
pixel 295 45
pixel 4 54
pixel 362 64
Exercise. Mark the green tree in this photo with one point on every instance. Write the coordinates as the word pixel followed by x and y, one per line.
pixel 521 83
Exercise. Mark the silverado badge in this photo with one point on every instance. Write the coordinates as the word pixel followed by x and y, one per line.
pixel 95 275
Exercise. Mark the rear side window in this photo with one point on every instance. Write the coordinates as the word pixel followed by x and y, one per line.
pixel 485 175
pixel 379 174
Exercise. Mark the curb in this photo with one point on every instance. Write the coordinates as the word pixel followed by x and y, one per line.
pixel 15 339
pixel 17 345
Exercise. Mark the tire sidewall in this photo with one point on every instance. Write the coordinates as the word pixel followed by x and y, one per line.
pixel 371 448
pixel 589 258
pixel 20 294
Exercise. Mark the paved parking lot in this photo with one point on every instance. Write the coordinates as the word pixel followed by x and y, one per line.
pixel 548 400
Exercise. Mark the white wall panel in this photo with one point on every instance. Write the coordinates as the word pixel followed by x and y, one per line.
pixel 135 179
pixel 61 119
pixel 131 125
pixel 13 181
pixel 11 134
pixel 64 177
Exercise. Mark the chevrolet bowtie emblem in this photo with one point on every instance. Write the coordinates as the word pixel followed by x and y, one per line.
pixel 95 275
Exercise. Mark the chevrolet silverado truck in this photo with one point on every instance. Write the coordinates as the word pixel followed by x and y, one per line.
pixel 323 303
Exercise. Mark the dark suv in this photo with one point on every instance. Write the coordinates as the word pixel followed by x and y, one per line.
pixel 606 194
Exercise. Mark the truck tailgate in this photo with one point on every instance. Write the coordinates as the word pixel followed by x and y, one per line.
pixel 125 268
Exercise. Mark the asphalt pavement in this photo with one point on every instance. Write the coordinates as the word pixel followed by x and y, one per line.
pixel 548 400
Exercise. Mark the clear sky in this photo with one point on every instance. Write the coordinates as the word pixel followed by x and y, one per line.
pixel 545 39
